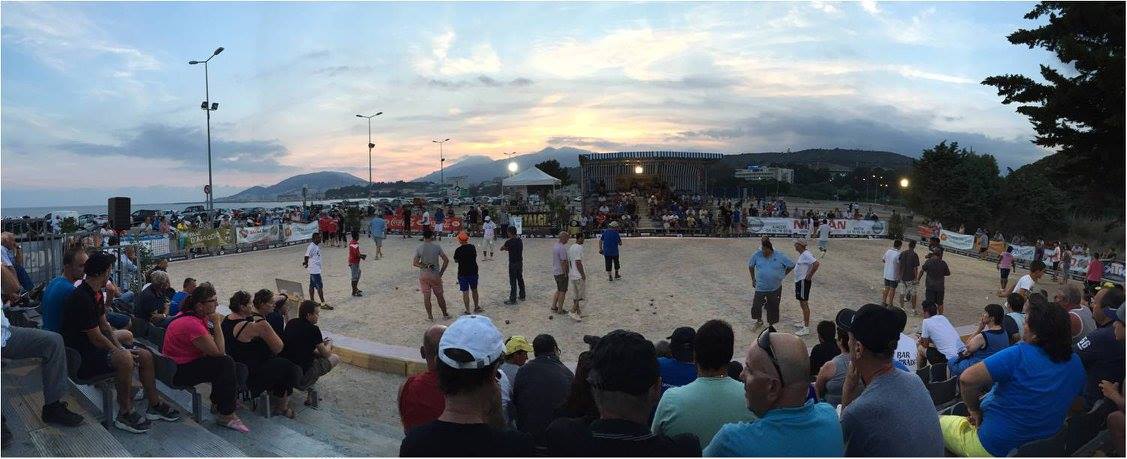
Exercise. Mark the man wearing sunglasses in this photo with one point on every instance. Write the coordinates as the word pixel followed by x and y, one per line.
pixel 776 380
pixel 893 415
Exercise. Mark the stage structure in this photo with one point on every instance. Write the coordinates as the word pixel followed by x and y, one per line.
pixel 680 171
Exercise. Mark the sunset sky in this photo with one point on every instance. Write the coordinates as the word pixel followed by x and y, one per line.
pixel 98 99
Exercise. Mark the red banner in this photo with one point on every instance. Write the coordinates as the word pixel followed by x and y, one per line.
pixel 450 224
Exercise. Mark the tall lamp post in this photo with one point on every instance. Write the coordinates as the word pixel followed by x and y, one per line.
pixel 208 107
pixel 441 166
pixel 370 146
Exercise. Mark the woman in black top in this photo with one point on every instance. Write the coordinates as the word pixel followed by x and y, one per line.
pixel 252 341
pixel 826 349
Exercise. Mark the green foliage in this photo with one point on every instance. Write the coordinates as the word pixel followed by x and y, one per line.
pixel 69 225
pixel 955 185
pixel 145 263
pixel 1032 206
pixel 552 167
pixel 1080 114
pixel 558 213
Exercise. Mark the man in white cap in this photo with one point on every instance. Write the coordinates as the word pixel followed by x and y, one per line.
pixel 804 269
pixel 469 354
pixel 489 230
pixel 608 247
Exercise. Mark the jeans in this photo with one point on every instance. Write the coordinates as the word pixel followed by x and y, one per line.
pixel 26 343
pixel 219 371
pixel 516 278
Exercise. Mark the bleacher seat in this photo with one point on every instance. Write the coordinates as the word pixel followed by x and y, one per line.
pixel 944 393
pixel 1053 446
pixel 924 374
pixel 166 372
pixel 104 383
pixel 958 409
pixel 938 372
pixel 1086 431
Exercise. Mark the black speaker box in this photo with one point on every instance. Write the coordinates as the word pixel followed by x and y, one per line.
pixel 119 214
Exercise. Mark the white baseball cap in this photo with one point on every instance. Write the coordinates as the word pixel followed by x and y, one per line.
pixel 475 335
pixel 486 218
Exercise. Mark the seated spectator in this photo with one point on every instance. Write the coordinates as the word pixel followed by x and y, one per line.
pixel 468 356
pixel 735 371
pixel 86 329
pixel 1113 391
pixel 907 355
pixel 580 404
pixel 1035 382
pixel 777 379
pixel 251 341
pixel 1080 317
pixel 516 355
pixel 938 338
pixel 277 314
pixel 987 340
pixel 713 399
pixel 625 383
pixel 178 297
pixel 55 295
pixel 662 349
pixel 895 398
pixel 194 340
pixel 1101 351
pixel 678 369
pixel 161 265
pixel 27 343
pixel 826 348
pixel 1015 319
pixel 831 377
pixel 305 346
pixel 541 385
pixel 152 303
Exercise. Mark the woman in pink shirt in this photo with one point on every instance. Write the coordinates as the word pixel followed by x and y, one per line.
pixel 1095 273
pixel 194 341
pixel 1005 265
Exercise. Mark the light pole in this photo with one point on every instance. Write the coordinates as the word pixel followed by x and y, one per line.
pixel 208 107
pixel 370 146
pixel 441 166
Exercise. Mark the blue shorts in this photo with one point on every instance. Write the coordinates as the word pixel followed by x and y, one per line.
pixel 466 283
pixel 315 281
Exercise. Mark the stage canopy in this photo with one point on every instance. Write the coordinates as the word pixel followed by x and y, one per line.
pixel 531 177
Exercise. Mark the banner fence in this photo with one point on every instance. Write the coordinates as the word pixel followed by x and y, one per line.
pixel 1113 271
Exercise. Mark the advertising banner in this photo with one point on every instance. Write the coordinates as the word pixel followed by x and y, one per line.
pixel 450 224
pixel 294 232
pixel 206 238
pixel 956 241
pixel 157 244
pixel 770 226
pixel 863 228
pixel 801 227
pixel 259 234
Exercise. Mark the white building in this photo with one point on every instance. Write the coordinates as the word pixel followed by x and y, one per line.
pixel 756 173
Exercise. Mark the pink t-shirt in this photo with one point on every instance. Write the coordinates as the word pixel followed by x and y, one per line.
pixel 179 336
pixel 1095 270
pixel 1007 261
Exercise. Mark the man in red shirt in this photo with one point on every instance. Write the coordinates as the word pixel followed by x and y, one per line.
pixel 420 399
pixel 325 224
pixel 354 257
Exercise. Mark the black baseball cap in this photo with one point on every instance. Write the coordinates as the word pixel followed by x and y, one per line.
pixel 623 361
pixel 682 338
pixel 875 326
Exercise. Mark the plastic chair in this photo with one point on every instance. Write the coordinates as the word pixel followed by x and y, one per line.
pixel 944 393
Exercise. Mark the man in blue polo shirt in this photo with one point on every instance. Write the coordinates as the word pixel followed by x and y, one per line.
pixel 608 246
pixel 767 269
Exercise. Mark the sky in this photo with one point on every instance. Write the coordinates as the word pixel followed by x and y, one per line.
pixel 98 99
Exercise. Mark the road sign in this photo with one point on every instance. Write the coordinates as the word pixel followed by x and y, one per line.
pixel 207 189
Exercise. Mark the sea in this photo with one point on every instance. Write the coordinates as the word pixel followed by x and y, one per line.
pixel 39 212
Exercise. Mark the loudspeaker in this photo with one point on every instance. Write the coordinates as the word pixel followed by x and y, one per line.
pixel 119 214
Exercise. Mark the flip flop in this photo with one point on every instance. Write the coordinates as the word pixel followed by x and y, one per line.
pixel 234 424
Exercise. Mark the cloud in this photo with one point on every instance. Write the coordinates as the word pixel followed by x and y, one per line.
pixel 188 146
pixel 64 39
pixel 870 6
pixel 825 7
pixel 481 59
pixel 641 53
pixel 481 81
pixel 586 142
pixel 337 70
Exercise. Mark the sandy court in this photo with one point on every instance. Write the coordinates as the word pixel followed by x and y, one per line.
pixel 667 282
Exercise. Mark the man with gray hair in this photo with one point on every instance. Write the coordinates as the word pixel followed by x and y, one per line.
pixel 1080 318
pixel 153 302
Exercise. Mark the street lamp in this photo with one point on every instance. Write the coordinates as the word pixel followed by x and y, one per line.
pixel 441 164
pixel 904 183
pixel 638 169
pixel 513 167
pixel 370 146
pixel 208 107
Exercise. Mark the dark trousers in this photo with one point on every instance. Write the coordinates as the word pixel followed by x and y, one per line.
pixel 516 279
pixel 609 261
pixel 219 371
pixel 279 375
pixel 934 356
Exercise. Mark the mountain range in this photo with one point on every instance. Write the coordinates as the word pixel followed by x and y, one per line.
pixel 316 182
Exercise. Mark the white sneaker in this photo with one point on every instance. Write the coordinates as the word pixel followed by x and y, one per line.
pixel 802 331
pixel 574 316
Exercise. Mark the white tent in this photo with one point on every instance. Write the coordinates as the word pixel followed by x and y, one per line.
pixel 531 177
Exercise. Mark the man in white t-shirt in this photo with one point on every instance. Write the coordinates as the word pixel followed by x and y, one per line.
pixel 891 273
pixel 489 232
pixel 312 264
pixel 577 275
pixel 938 338
pixel 804 268
pixel 1028 283
pixel 906 352
pixel 824 236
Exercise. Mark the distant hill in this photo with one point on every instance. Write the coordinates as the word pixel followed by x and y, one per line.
pixel 478 169
pixel 316 182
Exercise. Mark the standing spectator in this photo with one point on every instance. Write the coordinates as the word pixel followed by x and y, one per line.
pixel 935 269
pixel 466 258
pixel 1039 251
pixel 909 263
pixel 178 297
pixel 1066 263
pixel 896 398
pixel 1101 351
pixel 1034 381
pixel 625 384
pixel 378 230
pixel 824 237
pixel 426 259
pixel 804 269
pixel 469 353
pixel 1053 252
pixel 679 369
pixel 354 257
pixel 541 385
pixel 712 399
pixel 406 221
pixel 1005 265
pixel 55 296
pixel 515 246
pixel 488 231
pixel 577 274
pixel 194 341
pixel 891 273
pixel 251 341
pixel 559 272
pixel 312 264
pixel 439 223
pixel 305 346
pixel 767 269
pixel 938 338
pixel 609 242
pixel 1095 273
pixel 325 226
pixel 420 400
pixel 986 341
pixel 789 424
pixel 826 348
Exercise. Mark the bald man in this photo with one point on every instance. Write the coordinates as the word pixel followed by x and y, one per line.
pixel 776 380
pixel 420 400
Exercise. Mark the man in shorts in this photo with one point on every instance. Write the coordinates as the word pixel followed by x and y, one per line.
pixel 354 257
pixel 935 269
pixel 489 233
pixel 559 271
pixel 312 264
pixel 378 229
pixel 909 264
pixel 891 273
pixel 427 256
pixel 824 236
pixel 804 269
pixel 767 269
pixel 466 258
pixel 578 276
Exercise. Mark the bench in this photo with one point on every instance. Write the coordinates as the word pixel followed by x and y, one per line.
pixel 104 383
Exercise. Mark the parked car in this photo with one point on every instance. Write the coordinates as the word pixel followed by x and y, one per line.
pixel 190 209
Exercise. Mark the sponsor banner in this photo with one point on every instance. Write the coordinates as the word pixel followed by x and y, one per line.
pixel 449 224
pixel 770 225
pixel 259 234
pixel 997 247
pixel 956 241
pixel 157 245
pixel 864 228
pixel 1114 271
pixel 206 238
pixel 801 227
pixel 295 232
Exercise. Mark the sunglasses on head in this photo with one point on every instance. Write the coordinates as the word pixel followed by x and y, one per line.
pixel 764 342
